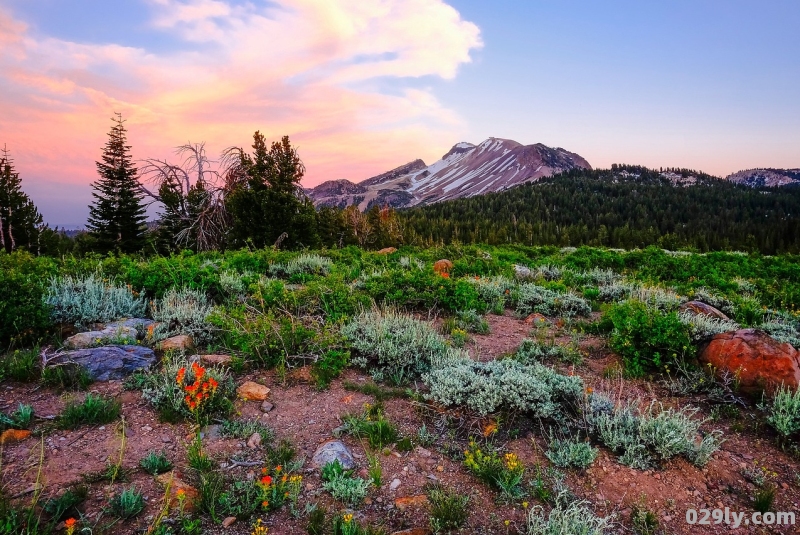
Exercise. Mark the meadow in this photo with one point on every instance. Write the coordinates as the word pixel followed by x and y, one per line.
pixel 474 389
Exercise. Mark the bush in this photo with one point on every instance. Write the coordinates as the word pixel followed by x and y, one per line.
pixel 531 351
pixel 504 472
pixel 183 311
pixel 304 264
pixel 495 292
pixel 646 337
pixel 93 410
pixel 19 419
pixel 486 387
pixel 403 347
pixel 168 395
pixel 126 504
pixel 574 518
pixel 373 425
pixel 24 315
pixel 702 327
pixel 532 298
pixel 341 484
pixel 82 301
pixel 661 434
pixel 566 453
pixel 448 508
pixel 784 412
pixel 328 367
pixel 21 365
pixel 67 376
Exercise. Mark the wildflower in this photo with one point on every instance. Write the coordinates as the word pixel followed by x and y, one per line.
pixel 590 390
pixel 507 522
pixel 525 505
pixel 445 275
pixel 181 494
pixel 265 504
pixel 490 429
pixel 70 525
pixel 259 529
pixel 266 480
pixel 180 376
pixel 347 518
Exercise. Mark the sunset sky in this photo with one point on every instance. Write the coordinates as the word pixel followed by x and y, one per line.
pixel 362 86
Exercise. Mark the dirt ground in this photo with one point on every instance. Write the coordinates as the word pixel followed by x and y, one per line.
pixel 307 417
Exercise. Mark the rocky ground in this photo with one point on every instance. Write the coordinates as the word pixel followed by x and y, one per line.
pixel 306 416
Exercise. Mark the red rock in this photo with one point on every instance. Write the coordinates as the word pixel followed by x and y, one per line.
pixel 761 362
pixel 388 250
pixel 252 391
pixel 702 309
pixel 216 360
pixel 14 435
pixel 442 266
pixel 181 342
pixel 410 501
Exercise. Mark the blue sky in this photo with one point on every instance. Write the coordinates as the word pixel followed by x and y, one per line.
pixel 363 87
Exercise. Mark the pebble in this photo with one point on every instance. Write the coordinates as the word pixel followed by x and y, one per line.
pixel 166 439
pixel 228 522
pixel 254 441
pixel 267 406
pixel 394 484
pixel 147 428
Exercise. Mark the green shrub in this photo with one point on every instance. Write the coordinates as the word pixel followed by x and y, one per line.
pixel 783 412
pixel 126 504
pixel 573 517
pixel 646 337
pixel 401 346
pixel 161 389
pixel 486 387
pixel 504 472
pixel 372 425
pixel 567 453
pixel 66 376
pixel 155 463
pixel 531 351
pixel 702 327
pixel 305 264
pixel 89 299
pixel 328 367
pixel 65 505
pixel 342 485
pixel 197 457
pixel 93 410
pixel 763 499
pixel 184 311
pixel 495 292
pixel 448 508
pixel 24 315
pixel 532 298
pixel 19 419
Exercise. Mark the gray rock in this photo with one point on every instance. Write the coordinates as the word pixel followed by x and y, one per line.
pixel 211 432
pixel 394 484
pixel 104 337
pixel 111 362
pixel 267 406
pixel 329 451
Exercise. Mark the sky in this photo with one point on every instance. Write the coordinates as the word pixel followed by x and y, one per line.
pixel 362 86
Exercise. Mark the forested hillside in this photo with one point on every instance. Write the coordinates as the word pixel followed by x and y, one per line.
pixel 626 206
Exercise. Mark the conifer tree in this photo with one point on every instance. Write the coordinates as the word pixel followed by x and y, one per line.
pixel 20 221
pixel 117 216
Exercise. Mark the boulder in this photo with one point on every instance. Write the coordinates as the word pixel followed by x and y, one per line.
pixel 107 363
pixel 761 362
pixel 109 335
pixel 698 308
pixel 181 342
pixel 442 266
pixel 177 487
pixel 14 435
pixel 252 391
pixel 329 451
pixel 388 250
pixel 216 360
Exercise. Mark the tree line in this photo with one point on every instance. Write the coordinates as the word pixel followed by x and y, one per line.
pixel 253 198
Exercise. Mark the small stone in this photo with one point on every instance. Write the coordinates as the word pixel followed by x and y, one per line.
pixel 422 452
pixel 432 477
pixel 146 428
pixel 657 476
pixel 228 522
pixel 410 501
pixel 367 501
pixel 267 406
pixel 253 391
pixel 394 484
pixel 785 486
pixel 254 441
pixel 440 468
pixel 166 439
pixel 101 428
pixel 667 518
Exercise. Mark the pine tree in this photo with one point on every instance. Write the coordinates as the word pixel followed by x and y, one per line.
pixel 116 219
pixel 20 221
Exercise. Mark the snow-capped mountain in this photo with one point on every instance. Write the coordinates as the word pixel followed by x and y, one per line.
pixel 466 170
pixel 766 178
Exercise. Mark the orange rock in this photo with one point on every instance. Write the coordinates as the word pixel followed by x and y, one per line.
pixel 177 343
pixel 177 485
pixel 253 391
pixel 216 360
pixel 388 250
pixel 761 362
pixel 410 501
pixel 14 435
pixel 301 375
pixel 442 266
pixel 536 319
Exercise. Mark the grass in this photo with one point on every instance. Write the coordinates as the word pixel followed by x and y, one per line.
pixel 155 463
pixel 22 365
pixel 68 376
pixel 243 430
pixel 373 426
pixel 126 504
pixel 66 504
pixel 93 410
pixel 197 458
pixel 448 508
pixel 764 498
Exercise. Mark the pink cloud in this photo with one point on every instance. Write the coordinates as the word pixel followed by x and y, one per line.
pixel 298 67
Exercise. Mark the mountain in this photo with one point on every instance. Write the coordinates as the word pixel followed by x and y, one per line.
pixel 766 178
pixel 465 171
pixel 626 206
